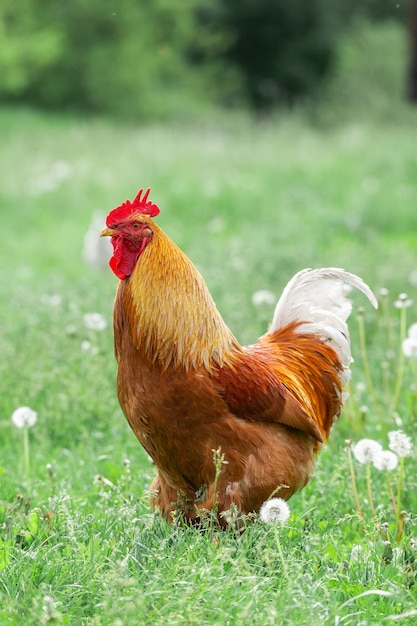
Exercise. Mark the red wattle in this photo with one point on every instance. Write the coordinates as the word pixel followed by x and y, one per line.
pixel 114 264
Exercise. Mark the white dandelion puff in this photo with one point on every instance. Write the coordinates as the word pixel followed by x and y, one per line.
pixel 385 461
pixel 409 345
pixel 94 321
pixel 400 443
pixel 53 300
pixel 403 301
pixel 397 419
pixel 274 511
pixel 412 331
pixel 366 450
pixel 413 277
pixel 357 553
pixel 263 296
pixel 51 178
pixel 87 346
pixel 24 417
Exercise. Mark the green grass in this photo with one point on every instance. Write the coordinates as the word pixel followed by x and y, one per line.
pixel 250 206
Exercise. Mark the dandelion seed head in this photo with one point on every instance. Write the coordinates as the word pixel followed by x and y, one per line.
pixel 356 553
pixel 47 603
pixel 216 225
pixel 400 443
pixel 365 450
pixel 87 346
pixel 263 296
pixel 409 344
pixel 49 606
pixel 403 301
pixel 413 277
pixel 397 419
pixel 274 511
pixel 53 300
pixel 412 331
pixel 409 347
pixel 94 321
pixel 24 416
pixel 385 461
pixel 231 515
pixel 50 179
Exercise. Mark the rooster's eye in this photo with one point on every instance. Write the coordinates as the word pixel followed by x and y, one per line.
pixel 135 225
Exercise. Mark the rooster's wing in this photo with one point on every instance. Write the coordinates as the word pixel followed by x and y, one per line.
pixel 286 378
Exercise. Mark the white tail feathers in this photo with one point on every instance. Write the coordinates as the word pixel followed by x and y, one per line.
pixel 317 298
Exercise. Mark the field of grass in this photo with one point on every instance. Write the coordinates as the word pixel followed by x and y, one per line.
pixel 250 206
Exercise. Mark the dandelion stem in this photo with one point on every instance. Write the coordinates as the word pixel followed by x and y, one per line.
pixel 368 376
pixel 369 487
pixel 26 453
pixel 401 358
pixel 386 379
pixel 388 322
pixel 280 552
pixel 400 532
pixel 391 493
pixel 354 489
pixel 413 394
pixel 399 493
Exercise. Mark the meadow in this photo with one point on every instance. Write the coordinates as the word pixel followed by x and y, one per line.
pixel 251 204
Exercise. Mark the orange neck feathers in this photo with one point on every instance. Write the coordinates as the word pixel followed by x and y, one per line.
pixel 176 320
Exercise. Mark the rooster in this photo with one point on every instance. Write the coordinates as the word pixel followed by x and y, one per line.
pixel 190 391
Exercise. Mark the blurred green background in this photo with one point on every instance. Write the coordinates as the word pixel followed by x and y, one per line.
pixel 276 135
pixel 176 59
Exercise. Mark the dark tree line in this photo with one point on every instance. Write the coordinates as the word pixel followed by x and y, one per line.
pixel 153 58
pixel 412 84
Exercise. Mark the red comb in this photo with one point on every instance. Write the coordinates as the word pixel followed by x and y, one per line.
pixel 139 205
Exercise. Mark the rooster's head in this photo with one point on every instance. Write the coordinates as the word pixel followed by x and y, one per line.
pixel 130 228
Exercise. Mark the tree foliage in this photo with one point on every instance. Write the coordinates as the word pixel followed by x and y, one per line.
pixel 157 58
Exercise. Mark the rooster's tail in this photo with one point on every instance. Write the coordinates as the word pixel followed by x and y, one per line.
pixel 317 299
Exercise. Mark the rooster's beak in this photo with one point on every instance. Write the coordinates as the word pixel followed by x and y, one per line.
pixel 107 232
